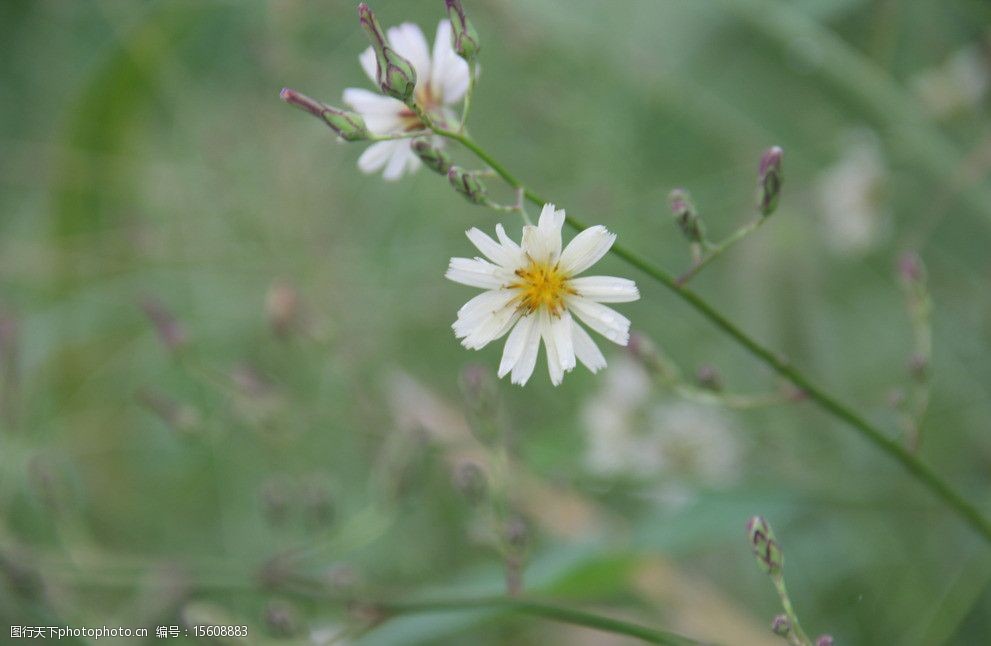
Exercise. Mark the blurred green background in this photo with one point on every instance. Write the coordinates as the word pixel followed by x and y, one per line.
pixel 228 383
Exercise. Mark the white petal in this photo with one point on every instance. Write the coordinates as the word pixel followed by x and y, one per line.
pixel 409 42
pixel 449 76
pixel 560 332
pixel 554 366
pixel 370 64
pixel 476 272
pixel 585 249
pixel 403 159
pixel 550 223
pixel 606 289
pixel 376 156
pixel 491 249
pixel 528 360
pixel 381 113
pixel 491 328
pixel 479 308
pixel 604 320
pixel 586 350
pixel 516 344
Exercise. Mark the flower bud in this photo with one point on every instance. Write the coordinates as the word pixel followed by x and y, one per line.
pixel 708 377
pixel 686 215
pixel 769 179
pixel 765 547
pixel 467 184
pixel 432 157
pixel 781 626
pixel 349 126
pixel 824 640
pixel 470 481
pixel 170 331
pixel 911 269
pixel 464 38
pixel 395 75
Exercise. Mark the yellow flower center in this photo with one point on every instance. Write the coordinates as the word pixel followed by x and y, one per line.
pixel 542 285
pixel 428 100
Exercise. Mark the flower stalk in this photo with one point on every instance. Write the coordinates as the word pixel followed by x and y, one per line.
pixel 918 469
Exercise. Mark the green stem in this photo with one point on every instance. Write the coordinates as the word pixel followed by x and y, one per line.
pixel 796 627
pixel 552 612
pixel 466 108
pixel 916 467
pixel 714 251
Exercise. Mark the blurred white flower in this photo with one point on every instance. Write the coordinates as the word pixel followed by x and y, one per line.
pixel 441 81
pixel 532 290
pixel 683 444
pixel 852 196
pixel 957 85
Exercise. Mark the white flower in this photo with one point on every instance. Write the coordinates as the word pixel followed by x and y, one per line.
pixel 441 81
pixel 852 196
pixel 532 290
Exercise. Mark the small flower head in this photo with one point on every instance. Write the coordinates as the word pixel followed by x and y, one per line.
pixel 464 38
pixel 432 156
pixel 781 625
pixel 686 216
pixel 467 184
pixel 441 82
pixel 769 180
pixel 824 640
pixel 395 75
pixel 765 547
pixel 349 126
pixel 533 294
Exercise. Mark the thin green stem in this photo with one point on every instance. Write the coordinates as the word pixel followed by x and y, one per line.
pixel 402 135
pixel 714 251
pixel 916 467
pixel 552 612
pixel 796 628
pixel 466 107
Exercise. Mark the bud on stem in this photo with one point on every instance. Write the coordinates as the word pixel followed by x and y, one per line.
pixel 432 157
pixel 349 126
pixel 769 180
pixel 464 38
pixel 765 547
pixel 467 184
pixel 395 75
pixel 686 215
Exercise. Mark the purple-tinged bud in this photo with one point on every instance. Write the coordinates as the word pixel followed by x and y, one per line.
pixel 911 269
pixel 764 546
pixel 464 38
pixel 467 184
pixel 686 216
pixel 769 180
pixel 169 331
pixel 469 479
pixel 824 640
pixel 918 367
pixel 781 626
pixel 708 377
pixel 395 75
pixel 432 157
pixel 349 126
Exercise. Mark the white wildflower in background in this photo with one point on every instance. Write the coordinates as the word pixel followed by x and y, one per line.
pixel 532 292
pixel 958 85
pixel 678 443
pixel 441 81
pixel 852 196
